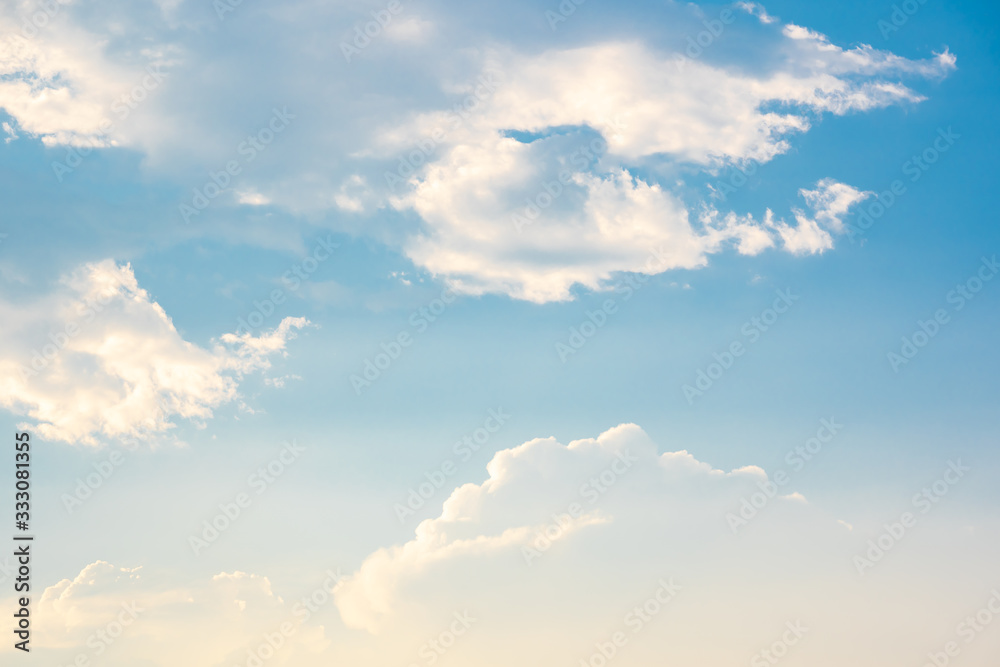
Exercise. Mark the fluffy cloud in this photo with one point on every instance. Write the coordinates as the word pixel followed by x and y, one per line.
pixel 61 84
pixel 562 543
pixel 599 146
pixel 561 547
pixel 99 359
pixel 622 224
pixel 830 202
pixel 476 241
pixel 646 103
pixel 125 616
pixel 531 193
pixel 545 503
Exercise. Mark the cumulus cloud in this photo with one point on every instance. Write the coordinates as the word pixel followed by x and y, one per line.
pixel 660 119
pixel 475 241
pixel 532 194
pixel 561 546
pixel 542 494
pixel 98 359
pixel 126 616
pixel 622 224
pixel 562 543
pixel 59 82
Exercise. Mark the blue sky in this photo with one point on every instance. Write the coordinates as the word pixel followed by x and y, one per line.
pixel 828 124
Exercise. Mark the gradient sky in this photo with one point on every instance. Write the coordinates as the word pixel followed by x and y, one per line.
pixel 824 107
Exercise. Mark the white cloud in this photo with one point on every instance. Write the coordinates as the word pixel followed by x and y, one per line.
pixel 663 118
pixel 756 9
pixel 603 521
pixel 353 194
pixel 59 82
pixel 524 509
pixel 622 224
pixel 830 201
pixel 124 616
pixel 10 132
pixel 252 198
pixel 531 218
pixel 280 382
pixel 99 359
pixel 410 29
pixel 644 516
pixel 72 605
pixel 476 242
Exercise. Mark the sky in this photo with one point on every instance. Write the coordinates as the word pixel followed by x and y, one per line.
pixel 418 333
